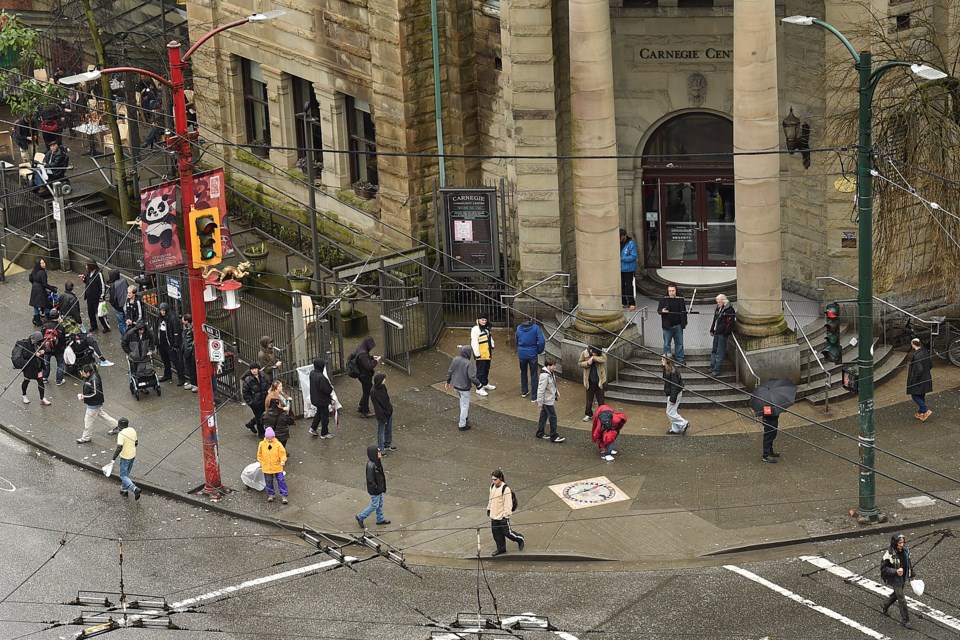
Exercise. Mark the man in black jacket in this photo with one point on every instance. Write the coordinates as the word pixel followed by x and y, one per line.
pixel 383 408
pixel 673 320
pixel 919 380
pixel 94 294
pixel 367 363
pixel 92 396
pixel 138 345
pixel 724 317
pixel 54 166
pixel 169 343
pixel 69 304
pixel 896 569
pixel 376 487
pixel 118 298
pixel 133 307
pixel 255 388
pixel 321 397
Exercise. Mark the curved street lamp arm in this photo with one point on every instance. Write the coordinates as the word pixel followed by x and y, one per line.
pixel 843 40
pixel 882 69
pixel 142 72
pixel 207 36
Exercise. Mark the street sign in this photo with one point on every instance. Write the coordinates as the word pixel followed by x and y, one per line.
pixel 57 211
pixel 173 288
pixel 211 331
pixel 215 348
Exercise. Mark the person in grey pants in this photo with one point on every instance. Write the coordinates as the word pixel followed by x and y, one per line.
pixel 547 395
pixel 461 374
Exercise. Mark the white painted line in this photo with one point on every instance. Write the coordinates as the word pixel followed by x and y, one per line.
pixel 4 481
pixel 934 615
pixel 830 613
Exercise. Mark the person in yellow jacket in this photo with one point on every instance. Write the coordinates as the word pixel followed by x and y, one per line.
pixel 273 458
pixel 481 340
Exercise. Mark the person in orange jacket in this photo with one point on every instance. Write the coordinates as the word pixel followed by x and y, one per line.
pixel 607 424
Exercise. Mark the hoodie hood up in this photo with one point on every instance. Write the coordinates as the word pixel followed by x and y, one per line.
pixel 319 364
pixel 368 344
pixel 372 453
pixel 466 351
pixel 378 379
pixel 265 341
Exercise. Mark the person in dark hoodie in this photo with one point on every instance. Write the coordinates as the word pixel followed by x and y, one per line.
pixel 267 357
pixel 367 363
pixel 169 342
pixel 461 374
pixel 896 569
pixel 321 397
pixel 376 487
pixel 94 294
pixel 189 347
pixel 530 344
pixel 40 291
pixel 383 409
pixel 69 304
pixel 118 298
pixel 255 387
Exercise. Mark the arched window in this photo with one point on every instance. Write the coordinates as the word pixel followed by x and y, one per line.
pixel 701 139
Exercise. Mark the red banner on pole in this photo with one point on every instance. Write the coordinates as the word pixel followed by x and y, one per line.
pixel 209 192
pixel 158 223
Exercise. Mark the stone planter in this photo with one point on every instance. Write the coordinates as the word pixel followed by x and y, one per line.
pixel 367 192
pixel 298 284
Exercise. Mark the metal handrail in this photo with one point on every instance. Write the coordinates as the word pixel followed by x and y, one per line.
pixel 534 286
pixel 744 355
pixel 643 321
pixel 829 382
pixel 561 323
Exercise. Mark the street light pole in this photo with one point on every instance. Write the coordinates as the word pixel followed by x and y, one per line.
pixel 868 77
pixel 181 143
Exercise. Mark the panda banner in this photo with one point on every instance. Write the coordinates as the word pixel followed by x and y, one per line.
pixel 158 222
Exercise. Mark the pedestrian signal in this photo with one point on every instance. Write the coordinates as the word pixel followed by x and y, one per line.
pixel 832 352
pixel 206 245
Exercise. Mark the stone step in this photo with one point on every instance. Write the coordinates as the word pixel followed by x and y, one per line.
pixel 733 399
pixel 652 385
pixel 690 377
pixel 813 392
pixel 880 355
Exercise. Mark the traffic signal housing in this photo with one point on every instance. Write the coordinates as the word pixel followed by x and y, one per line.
pixel 832 352
pixel 206 246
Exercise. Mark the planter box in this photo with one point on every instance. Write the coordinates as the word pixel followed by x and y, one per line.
pixel 367 194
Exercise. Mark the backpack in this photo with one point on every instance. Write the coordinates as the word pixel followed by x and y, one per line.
pixel 516 503
pixel 353 365
pixel 50 339
pixel 22 352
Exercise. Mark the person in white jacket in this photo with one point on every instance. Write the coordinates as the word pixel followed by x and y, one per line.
pixel 481 341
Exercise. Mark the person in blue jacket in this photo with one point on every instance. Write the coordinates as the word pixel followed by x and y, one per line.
pixel 530 344
pixel 628 269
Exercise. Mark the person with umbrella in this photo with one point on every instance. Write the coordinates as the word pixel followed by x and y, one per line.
pixel 769 400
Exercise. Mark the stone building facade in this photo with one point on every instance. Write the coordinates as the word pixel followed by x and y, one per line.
pixel 366 66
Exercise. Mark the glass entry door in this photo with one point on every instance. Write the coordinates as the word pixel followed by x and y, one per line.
pixel 697 221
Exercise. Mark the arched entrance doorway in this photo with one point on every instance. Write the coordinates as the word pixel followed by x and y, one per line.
pixel 688 193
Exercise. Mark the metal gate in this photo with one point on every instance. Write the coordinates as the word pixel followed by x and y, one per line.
pixel 412 312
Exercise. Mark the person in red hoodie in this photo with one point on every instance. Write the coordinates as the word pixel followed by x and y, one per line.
pixel 607 424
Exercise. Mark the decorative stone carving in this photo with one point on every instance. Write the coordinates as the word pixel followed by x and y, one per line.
pixel 696 89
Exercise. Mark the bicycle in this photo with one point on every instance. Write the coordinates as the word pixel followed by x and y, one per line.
pixel 943 338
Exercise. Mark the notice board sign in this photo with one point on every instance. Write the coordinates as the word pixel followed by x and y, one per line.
pixel 470 230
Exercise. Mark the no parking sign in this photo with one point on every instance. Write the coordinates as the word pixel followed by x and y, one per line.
pixel 215 348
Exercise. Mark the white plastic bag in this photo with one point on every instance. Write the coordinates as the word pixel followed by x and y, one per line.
pixel 917 585
pixel 102 309
pixel 107 468
pixel 252 476
pixel 69 356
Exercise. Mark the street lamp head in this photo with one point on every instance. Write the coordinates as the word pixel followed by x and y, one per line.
pixel 927 72
pixel 803 21
pixel 269 15
pixel 86 76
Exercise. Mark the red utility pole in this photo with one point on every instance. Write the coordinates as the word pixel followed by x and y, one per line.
pixel 205 379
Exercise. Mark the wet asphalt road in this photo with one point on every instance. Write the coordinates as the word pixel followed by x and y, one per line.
pixel 176 551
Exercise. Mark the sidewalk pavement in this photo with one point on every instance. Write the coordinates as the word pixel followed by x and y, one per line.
pixel 688 497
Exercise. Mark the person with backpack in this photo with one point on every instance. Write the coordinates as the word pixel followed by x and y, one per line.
pixel 321 397
pixel 376 487
pixel 51 124
pixel 40 292
pixel 255 387
pixel 366 362
pixel 118 298
pixel 530 344
pixel 27 356
pixel 500 506
pixel 724 318
pixel 127 442
pixel 383 409
pixel 607 425
pixel 94 294
pixel 54 344
pixel 896 569
pixel 92 396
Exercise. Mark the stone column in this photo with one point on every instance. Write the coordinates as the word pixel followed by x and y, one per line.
pixel 595 204
pixel 282 118
pixel 527 51
pixel 756 128
pixel 333 129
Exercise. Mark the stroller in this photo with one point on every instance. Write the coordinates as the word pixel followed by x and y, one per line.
pixel 142 375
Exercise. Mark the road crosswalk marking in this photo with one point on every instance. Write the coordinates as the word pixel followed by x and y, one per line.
pixel 928 612
pixel 830 613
